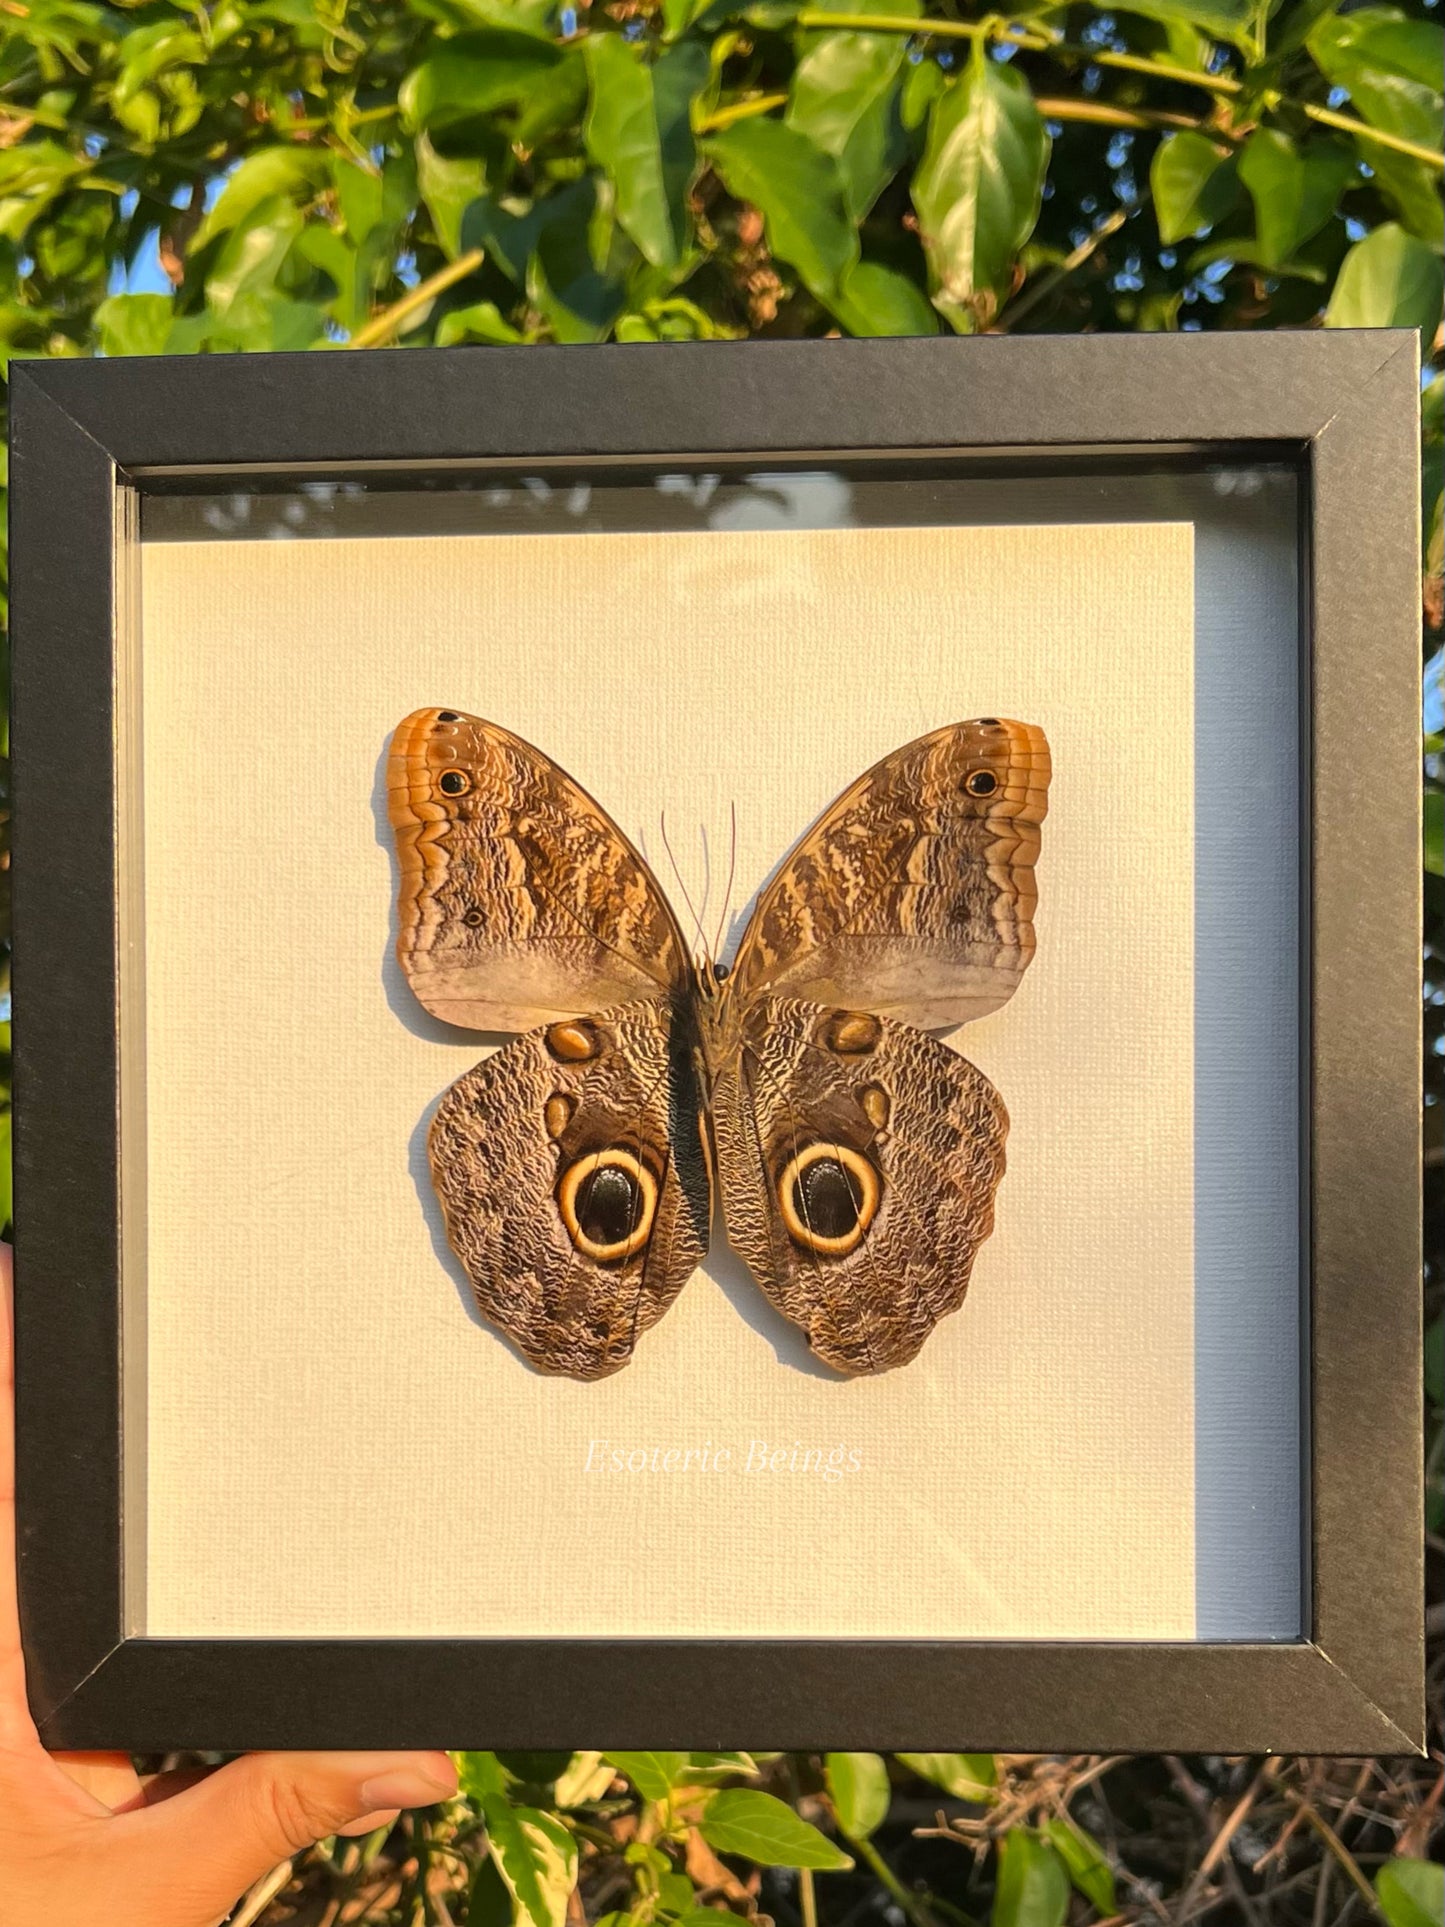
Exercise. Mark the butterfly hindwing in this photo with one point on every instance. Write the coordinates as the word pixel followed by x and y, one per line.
pixel 913 894
pixel 520 899
pixel 859 1160
pixel 575 1184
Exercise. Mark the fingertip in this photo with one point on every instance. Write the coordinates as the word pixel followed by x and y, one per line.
pixel 369 1823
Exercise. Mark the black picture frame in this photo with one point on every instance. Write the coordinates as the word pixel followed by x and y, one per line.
pixel 87 435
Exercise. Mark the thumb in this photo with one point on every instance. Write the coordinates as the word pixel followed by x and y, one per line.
pixel 208 1844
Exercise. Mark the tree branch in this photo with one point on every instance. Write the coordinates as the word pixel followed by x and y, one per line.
pixel 385 324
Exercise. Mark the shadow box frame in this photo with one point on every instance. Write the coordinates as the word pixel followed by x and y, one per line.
pixel 88 436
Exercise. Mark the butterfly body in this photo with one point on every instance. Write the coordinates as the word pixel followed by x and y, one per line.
pixel 856 1156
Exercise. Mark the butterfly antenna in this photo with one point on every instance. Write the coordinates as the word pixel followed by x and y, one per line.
pixel 677 875
pixel 706 893
pixel 722 922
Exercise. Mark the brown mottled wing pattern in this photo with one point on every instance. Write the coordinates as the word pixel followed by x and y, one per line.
pixel 574 1183
pixel 520 899
pixel 913 894
pixel 859 1161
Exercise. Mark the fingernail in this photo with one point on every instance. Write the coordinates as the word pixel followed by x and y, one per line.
pixel 407 1787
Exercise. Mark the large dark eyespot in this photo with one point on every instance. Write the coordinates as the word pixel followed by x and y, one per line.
pixel 609 1204
pixel 448 716
pixel 828 1195
pixel 608 1199
pixel 982 782
pixel 454 782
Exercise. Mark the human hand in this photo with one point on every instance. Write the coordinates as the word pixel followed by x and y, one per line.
pixel 84 1839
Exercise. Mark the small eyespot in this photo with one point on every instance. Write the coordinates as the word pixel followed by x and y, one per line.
pixel 852 1033
pixel 981 782
pixel 454 782
pixel 474 919
pixel 574 1042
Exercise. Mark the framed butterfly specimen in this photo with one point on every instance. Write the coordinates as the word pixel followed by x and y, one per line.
pixel 857 1156
pixel 1119 1503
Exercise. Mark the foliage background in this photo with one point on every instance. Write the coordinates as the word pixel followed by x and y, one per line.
pixel 180 178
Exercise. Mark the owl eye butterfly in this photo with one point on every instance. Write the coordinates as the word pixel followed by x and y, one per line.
pixel 857 1156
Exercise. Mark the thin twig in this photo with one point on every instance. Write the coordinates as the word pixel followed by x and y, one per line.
pixel 382 326
pixel 911 1903
pixel 1337 1847
pixel 807 1897
pixel 740 110
pixel 258 1898
pixel 1030 298
pixel 1219 1845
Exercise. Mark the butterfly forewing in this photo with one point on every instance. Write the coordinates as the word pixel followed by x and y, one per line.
pixel 913 894
pixel 859 1160
pixel 574 1183
pixel 520 899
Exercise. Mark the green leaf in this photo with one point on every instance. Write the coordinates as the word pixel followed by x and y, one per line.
pixel 1294 190
pixel 1088 1868
pixel 534 1853
pixel 1412 1892
pixel 845 97
pixel 1388 280
pixel 1411 188
pixel 967 1776
pixel 678 15
pixel 586 1776
pixel 1033 1887
pixel 676 1895
pixel 1243 247
pixel 653 1774
pixel 537 1858
pixel 1434 840
pixel 448 187
pixel 978 187
pixel 474 74
pixel 518 16
pixel 533 1769
pixel 858 1784
pixel 488 1904
pixel 740 1820
pixel 639 131
pixel 482 321
pixel 879 300
pixel 796 188
pixel 1390 67
pixel 1232 20
pixel 1194 185
pixel 568 275
pixel 703 1766
pixel 288 173
pixel 252 255
pixel 481 1776
pixel 558 100
pixel 135 324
